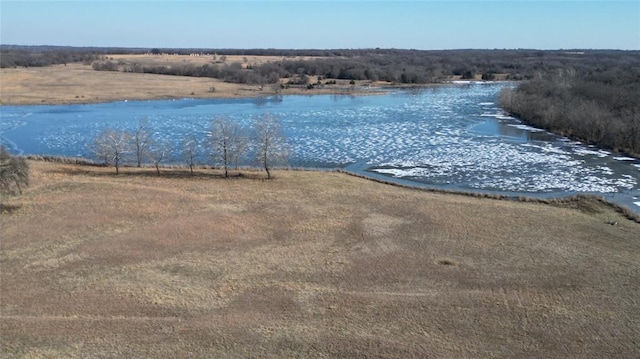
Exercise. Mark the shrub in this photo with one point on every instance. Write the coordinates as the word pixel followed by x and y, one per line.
pixel 14 173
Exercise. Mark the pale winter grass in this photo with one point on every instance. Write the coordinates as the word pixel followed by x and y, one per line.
pixel 78 83
pixel 310 264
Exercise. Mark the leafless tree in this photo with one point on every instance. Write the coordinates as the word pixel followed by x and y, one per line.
pixel 190 151
pixel 159 150
pixel 141 139
pixel 277 89
pixel 227 142
pixel 270 142
pixel 100 149
pixel 241 146
pixel 112 146
pixel 14 173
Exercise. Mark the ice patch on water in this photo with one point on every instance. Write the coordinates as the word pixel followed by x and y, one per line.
pixel 494 115
pixel 586 152
pixel 547 147
pixel 497 165
pixel 8 124
pixel 399 173
pixel 637 203
pixel 526 128
pixel 624 159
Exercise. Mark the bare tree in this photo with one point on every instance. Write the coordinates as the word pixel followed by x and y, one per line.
pixel 141 139
pixel 14 173
pixel 190 151
pixel 159 150
pixel 241 146
pixel 100 149
pixel 112 146
pixel 277 88
pixel 271 145
pixel 227 142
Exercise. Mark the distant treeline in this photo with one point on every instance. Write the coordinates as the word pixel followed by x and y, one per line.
pixel 391 65
pixel 26 57
pixel 599 106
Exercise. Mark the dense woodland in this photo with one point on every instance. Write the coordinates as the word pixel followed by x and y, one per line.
pixel 590 95
pixel 38 56
pixel 599 106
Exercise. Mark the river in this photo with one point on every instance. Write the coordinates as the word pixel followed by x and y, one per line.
pixel 453 137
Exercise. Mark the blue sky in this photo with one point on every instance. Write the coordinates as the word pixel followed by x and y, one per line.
pixel 324 24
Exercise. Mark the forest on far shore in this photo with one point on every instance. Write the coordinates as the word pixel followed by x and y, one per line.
pixel 598 106
pixel 588 95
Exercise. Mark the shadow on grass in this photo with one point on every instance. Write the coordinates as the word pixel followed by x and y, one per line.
pixel 8 208
pixel 200 173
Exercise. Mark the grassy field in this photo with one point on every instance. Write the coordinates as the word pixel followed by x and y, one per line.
pixel 310 264
pixel 79 83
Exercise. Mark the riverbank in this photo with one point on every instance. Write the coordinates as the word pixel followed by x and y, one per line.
pixel 79 84
pixel 310 264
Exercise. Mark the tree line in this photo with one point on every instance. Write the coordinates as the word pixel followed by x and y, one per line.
pixel 32 57
pixel 391 65
pixel 227 145
pixel 600 106
pixel 394 66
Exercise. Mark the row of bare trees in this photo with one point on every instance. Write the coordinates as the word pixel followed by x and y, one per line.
pixel 227 146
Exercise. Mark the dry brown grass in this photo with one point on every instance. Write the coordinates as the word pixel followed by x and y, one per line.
pixel 311 264
pixel 78 83
pixel 168 59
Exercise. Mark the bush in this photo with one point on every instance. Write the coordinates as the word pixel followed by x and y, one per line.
pixel 14 173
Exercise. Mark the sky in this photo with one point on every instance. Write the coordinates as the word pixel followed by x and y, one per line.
pixel 425 25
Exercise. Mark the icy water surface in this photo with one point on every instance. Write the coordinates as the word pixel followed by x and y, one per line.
pixel 453 137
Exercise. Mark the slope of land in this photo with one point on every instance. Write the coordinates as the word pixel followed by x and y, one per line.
pixel 311 264
pixel 80 83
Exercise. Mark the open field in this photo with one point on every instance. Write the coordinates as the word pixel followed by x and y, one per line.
pixel 78 83
pixel 311 264
pixel 200 59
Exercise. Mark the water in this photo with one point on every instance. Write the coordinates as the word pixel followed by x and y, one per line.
pixel 453 137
